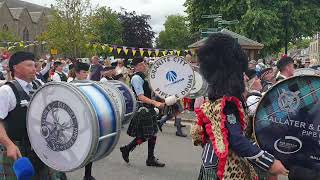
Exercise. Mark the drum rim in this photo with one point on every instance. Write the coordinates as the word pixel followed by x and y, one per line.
pixel 204 88
pixel 118 128
pixel 262 98
pixel 151 67
pixel 122 115
pixel 92 114
pixel 128 118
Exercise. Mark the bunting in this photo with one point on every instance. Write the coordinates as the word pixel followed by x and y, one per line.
pixel 171 52
pixel 125 50
pixel 141 51
pixel 149 52
pixel 178 52
pixel 157 52
pixel 119 50
pixel 110 49
pixel 134 51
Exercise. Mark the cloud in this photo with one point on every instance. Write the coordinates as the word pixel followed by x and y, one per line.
pixel 158 9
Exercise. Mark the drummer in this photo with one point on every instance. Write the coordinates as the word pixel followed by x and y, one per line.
pixel 143 127
pixel 286 67
pixel 82 72
pixel 13 114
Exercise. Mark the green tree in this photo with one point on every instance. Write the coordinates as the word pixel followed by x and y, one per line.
pixel 104 26
pixel 176 33
pixel 137 31
pixel 66 29
pixel 261 20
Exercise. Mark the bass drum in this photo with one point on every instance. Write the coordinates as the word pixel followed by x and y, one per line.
pixel 287 122
pixel 200 86
pixel 129 100
pixel 72 124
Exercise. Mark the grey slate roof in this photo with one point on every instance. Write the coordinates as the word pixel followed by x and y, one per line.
pixel 243 41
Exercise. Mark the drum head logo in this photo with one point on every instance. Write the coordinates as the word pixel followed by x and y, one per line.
pixel 171 76
pixel 289 101
pixel 288 145
pixel 59 126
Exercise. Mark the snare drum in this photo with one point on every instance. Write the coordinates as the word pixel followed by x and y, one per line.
pixel 72 124
pixel 200 86
pixel 305 71
pixel 287 122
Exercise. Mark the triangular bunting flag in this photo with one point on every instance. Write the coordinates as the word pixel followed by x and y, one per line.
pixel 178 52
pixel 119 50
pixel 175 51
pixel 103 47
pixel 141 51
pixel 21 44
pixel 164 52
pixel 157 52
pixel 134 51
pixel 187 51
pixel 125 50
pixel 149 52
pixel 171 52
pixel 110 49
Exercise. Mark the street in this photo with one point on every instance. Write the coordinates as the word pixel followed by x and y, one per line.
pixel 181 157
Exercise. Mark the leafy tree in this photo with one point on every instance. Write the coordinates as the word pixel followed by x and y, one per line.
pixel 66 29
pixel 104 26
pixel 137 31
pixel 176 33
pixel 261 20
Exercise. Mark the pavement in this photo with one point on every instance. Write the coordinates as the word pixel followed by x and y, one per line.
pixel 181 157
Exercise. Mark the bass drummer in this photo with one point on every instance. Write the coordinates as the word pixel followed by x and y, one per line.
pixel 14 97
pixel 143 127
pixel 82 72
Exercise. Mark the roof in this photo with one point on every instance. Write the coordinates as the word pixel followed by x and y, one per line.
pixel 29 6
pixel 35 16
pixel 16 12
pixel 245 42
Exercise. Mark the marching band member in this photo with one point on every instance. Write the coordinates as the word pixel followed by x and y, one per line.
pixel 222 122
pixel 59 74
pixel 254 91
pixel 267 79
pixel 286 67
pixel 143 127
pixel 14 97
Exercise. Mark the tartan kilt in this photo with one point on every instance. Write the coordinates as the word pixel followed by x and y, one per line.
pixel 208 174
pixel 42 171
pixel 144 123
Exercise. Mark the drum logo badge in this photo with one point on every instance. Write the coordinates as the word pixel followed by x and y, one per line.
pixel 289 101
pixel 59 126
pixel 171 76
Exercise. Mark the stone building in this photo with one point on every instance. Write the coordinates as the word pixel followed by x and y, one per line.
pixel 25 20
pixel 314 48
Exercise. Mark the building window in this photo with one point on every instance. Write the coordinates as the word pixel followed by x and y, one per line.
pixel 5 28
pixel 25 34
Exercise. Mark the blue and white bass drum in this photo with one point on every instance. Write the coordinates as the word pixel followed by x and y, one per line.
pixel 72 124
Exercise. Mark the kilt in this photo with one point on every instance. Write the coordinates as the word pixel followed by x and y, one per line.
pixel 144 122
pixel 207 174
pixel 42 171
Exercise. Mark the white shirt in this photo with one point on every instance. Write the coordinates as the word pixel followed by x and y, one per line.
pixel 8 100
pixel 104 80
pixel 56 77
pixel 70 79
pixel 252 102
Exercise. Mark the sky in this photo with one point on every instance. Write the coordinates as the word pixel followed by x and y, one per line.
pixel 158 9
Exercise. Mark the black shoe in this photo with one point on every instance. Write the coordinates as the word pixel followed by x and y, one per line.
pixel 180 134
pixel 154 162
pixel 89 178
pixel 125 153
